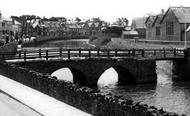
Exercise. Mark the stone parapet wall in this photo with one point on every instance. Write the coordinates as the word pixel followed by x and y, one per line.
pixel 84 98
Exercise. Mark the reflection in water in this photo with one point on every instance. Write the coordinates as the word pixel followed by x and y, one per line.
pixel 63 74
pixel 66 44
pixel 166 94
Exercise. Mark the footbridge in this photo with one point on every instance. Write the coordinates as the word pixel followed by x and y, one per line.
pixel 87 65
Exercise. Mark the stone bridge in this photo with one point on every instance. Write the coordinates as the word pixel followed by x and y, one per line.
pixel 88 71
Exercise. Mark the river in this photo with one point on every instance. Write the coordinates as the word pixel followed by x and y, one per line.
pixel 167 94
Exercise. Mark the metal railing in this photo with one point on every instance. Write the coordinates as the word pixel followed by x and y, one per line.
pixel 94 53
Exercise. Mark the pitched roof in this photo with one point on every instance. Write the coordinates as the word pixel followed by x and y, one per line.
pixel 158 19
pixel 182 14
pixel 139 22
pixel 16 22
pixel 151 18
pixel 132 32
pixel 35 24
pixel 90 24
pixel 96 24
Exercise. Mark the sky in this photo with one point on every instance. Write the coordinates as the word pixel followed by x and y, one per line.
pixel 108 10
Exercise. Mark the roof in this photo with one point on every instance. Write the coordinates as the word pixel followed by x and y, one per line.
pixel 182 14
pixel 35 24
pixel 151 18
pixel 157 19
pixel 132 32
pixel 127 28
pixel 16 22
pixel 139 22
pixel 74 26
pixel 96 24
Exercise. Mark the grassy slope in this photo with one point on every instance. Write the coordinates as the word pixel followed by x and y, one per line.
pixel 99 40
pixel 124 43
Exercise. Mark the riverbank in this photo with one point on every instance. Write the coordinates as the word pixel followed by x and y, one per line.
pixel 40 40
pixel 118 43
pixel 99 40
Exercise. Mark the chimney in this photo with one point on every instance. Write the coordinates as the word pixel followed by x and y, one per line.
pixel 162 11
pixel 181 7
pixel 0 15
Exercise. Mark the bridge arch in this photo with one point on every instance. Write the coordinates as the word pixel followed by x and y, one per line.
pixel 72 74
pixel 124 76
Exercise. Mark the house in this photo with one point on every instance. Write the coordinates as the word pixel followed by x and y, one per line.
pixel 173 23
pixel 92 27
pixel 138 24
pixel 129 34
pixel 149 27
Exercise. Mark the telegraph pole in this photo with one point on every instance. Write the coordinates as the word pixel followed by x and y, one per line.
pixel 185 36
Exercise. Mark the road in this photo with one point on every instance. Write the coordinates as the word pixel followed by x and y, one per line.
pixel 42 103
pixel 12 107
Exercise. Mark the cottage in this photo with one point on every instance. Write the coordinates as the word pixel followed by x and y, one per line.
pixel 173 23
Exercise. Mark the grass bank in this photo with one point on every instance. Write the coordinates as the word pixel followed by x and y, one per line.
pixel 118 43
pixel 99 40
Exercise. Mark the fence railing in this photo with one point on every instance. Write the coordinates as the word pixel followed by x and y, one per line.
pixel 69 53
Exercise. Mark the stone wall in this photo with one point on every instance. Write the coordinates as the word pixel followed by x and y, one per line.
pixel 80 97
pixel 181 67
pixel 88 71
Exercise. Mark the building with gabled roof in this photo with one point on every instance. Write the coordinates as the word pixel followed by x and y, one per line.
pixel 149 26
pixel 172 25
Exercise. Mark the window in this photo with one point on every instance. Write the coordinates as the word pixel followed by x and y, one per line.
pixel 157 31
pixel 169 28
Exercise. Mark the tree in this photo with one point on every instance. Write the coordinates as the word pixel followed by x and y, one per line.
pixel 122 22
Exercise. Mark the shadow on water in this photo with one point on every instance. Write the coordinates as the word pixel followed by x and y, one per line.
pixel 82 43
pixel 167 94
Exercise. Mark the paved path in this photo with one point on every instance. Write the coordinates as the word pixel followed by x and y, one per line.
pixel 42 103
pixel 12 107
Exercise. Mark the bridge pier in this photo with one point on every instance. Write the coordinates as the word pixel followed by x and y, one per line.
pixel 181 67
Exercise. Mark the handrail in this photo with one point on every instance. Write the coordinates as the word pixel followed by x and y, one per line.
pixel 83 52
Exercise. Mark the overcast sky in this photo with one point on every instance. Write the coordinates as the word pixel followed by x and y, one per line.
pixel 105 9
